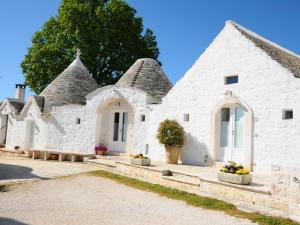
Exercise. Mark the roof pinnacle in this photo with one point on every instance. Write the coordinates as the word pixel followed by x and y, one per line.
pixel 78 53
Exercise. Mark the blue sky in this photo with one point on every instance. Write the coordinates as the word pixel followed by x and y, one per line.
pixel 184 29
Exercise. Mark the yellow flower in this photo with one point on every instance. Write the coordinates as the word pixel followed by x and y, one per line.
pixel 242 171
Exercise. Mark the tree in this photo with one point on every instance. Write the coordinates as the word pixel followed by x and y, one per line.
pixel 108 32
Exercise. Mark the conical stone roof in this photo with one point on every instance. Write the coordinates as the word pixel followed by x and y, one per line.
pixel 70 87
pixel 147 75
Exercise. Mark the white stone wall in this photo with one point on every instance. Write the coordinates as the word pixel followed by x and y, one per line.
pixel 135 98
pixel 63 133
pixel 17 127
pixel 264 84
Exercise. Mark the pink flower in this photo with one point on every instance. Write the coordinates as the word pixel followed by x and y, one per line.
pixel 100 148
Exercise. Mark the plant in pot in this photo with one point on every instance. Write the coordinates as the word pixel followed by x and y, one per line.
pixel 140 160
pixel 100 150
pixel 233 173
pixel 171 134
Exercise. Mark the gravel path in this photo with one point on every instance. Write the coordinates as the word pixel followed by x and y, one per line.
pixel 87 200
pixel 17 169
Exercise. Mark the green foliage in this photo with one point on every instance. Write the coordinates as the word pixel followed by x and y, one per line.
pixel 5 187
pixel 108 32
pixel 195 200
pixel 170 133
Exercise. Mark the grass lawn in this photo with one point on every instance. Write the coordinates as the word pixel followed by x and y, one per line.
pixel 194 200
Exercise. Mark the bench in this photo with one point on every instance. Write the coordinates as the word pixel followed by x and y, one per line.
pixel 60 156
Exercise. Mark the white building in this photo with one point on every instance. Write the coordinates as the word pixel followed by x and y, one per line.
pixel 240 101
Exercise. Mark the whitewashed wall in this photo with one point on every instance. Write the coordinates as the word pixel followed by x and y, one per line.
pixel 63 133
pixel 135 98
pixel 264 84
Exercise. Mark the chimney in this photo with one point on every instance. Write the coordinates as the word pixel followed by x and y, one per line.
pixel 20 92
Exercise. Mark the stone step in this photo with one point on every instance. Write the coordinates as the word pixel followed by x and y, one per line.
pixel 115 153
pixel 184 180
pixel 102 162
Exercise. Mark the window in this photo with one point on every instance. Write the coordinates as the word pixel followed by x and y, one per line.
pixel 231 79
pixel 77 120
pixel 186 117
pixel 287 114
pixel 225 127
pixel 116 127
pixel 143 118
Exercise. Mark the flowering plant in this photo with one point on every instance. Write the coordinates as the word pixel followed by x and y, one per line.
pixel 232 167
pixel 139 156
pixel 100 149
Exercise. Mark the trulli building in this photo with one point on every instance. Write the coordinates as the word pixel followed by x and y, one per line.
pixel 240 101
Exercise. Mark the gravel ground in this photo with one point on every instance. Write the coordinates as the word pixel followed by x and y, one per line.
pixel 88 200
pixel 17 169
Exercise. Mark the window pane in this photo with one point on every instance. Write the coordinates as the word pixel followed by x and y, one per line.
pixel 239 128
pixel 224 137
pixel 287 114
pixel 232 80
pixel 124 126
pixel 116 126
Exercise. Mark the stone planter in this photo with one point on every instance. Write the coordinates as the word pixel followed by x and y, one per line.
pixel 235 178
pixel 172 154
pixel 141 162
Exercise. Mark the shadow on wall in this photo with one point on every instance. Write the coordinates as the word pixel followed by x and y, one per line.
pixel 56 124
pixel 194 152
pixel 8 171
pixel 8 221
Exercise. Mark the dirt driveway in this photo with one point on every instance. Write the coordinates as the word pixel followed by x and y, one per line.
pixel 87 200
pixel 18 169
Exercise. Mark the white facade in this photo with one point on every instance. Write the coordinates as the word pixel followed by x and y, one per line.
pixel 260 136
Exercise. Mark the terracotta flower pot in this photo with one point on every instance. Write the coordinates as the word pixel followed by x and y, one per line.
pixel 99 152
pixel 172 154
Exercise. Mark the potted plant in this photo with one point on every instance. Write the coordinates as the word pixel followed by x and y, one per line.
pixel 171 134
pixel 100 150
pixel 233 173
pixel 140 160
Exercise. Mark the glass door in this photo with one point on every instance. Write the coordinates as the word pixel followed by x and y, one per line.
pixel 238 135
pixel 232 134
pixel 120 125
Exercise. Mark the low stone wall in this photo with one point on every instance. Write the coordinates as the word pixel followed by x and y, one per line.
pixel 286 188
pixel 282 200
pixel 245 198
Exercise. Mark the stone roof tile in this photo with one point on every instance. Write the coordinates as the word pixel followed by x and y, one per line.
pixel 147 75
pixel 286 58
pixel 70 87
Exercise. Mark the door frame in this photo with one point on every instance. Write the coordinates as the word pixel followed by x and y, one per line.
pixel 228 102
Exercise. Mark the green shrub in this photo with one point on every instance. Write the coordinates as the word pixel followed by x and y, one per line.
pixel 170 133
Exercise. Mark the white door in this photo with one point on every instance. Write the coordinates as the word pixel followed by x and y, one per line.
pixel 29 135
pixel 232 135
pixel 3 128
pixel 119 131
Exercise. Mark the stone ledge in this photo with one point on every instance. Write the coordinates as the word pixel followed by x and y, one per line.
pixel 60 152
pixel 151 168
pixel 107 163
pixel 182 180
pixel 250 188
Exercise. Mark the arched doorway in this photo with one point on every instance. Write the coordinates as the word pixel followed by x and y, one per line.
pixel 232 132
pixel 115 126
